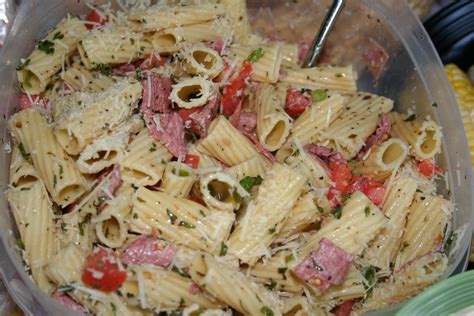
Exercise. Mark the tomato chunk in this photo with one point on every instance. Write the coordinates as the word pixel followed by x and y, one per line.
pixel 343 309
pixel 341 176
pixel 296 102
pixel 428 168
pixel 96 17
pixel 234 92
pixel 102 271
pixel 192 160
pixel 374 190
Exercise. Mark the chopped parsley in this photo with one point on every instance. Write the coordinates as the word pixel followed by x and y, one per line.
pixel 282 270
pixel 318 95
pixel 266 311
pixel 114 309
pixel 320 209
pixel 139 199
pixel 202 213
pixel 237 197
pixel 186 224
pixel 272 230
pixel 249 182
pixel 223 251
pixel 434 104
pixel 23 65
pixel 55 180
pixel 58 36
pixel 46 46
pixel 105 69
pixel 61 170
pixel 182 273
pixel 272 284
pixel 367 211
pixel 289 258
pixel 66 288
pixel 255 55
pixel 183 173
pixel 20 244
pixel 337 211
pixel 346 197
pixel 404 245
pixel 370 277
pixel 152 148
pixel 411 118
pixel 172 217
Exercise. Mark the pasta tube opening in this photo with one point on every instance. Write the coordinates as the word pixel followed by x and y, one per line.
pixel 25 180
pixel 111 232
pixel 204 61
pixel 392 153
pixel 30 81
pixel 277 134
pixel 221 191
pixel 102 155
pixel 190 93
pixel 164 40
pixel 70 192
pixel 69 142
pixel 429 143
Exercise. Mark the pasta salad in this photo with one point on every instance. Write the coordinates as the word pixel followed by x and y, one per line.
pixel 168 160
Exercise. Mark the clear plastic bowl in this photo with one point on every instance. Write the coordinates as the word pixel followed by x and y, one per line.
pixel 413 77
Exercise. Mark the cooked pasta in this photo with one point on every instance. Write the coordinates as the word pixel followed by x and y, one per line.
pixel 168 160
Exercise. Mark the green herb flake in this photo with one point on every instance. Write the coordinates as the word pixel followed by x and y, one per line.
pixel 46 46
pixel 186 224
pixel 320 209
pixel 367 211
pixel 404 245
pixel 289 258
pixel 434 104
pixel 135 216
pixel 183 173
pixel 182 273
pixel 318 95
pixel 63 227
pixel 255 55
pixel 139 199
pixel 132 41
pixel 58 36
pixel 55 180
pixel 23 64
pixel 337 211
pixel 272 285
pixel 27 79
pixel 370 277
pixel 249 182
pixel 346 197
pixel 66 288
pixel 352 164
pixel 61 170
pixel 172 217
pixel 152 148
pixel 223 251
pixel 282 270
pixel 25 189
pixel 105 69
pixel 449 243
pixel 202 213
pixel 272 230
pixel 411 118
pixel 114 309
pixel 266 311
pixel 237 197
pixel 20 244
pixel 23 152
pixel 130 295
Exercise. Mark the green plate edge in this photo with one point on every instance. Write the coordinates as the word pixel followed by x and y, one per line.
pixel 443 298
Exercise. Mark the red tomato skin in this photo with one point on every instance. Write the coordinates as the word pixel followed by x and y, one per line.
pixel 103 261
pixel 192 160
pixel 94 16
pixel 374 190
pixel 428 168
pixel 341 176
pixel 296 103
pixel 233 93
pixel 185 113
pixel 343 309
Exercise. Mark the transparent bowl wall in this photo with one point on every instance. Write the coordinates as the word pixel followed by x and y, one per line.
pixel 413 77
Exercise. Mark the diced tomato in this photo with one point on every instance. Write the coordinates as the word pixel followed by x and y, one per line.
pixel 296 102
pixel 185 113
pixel 102 271
pixel 428 168
pixel 192 160
pixel 234 92
pixel 341 176
pixel 96 17
pixel 343 309
pixel 374 190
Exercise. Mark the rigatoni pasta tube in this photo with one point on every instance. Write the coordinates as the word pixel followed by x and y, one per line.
pixel 267 67
pixel 359 222
pixel 278 194
pixel 221 191
pixel 178 179
pixel 145 160
pixel 423 135
pixel 382 251
pixel 22 172
pixel 251 168
pixel 318 174
pixel 236 12
pixel 180 220
pixel 273 125
pixel 233 287
pixel 205 161
pixel 429 215
pixel 98 113
pixel 226 143
pixel 57 170
pixel 79 78
pixel 50 55
pixel 341 79
pixel 192 92
pixel 383 159
pixel 353 287
pixel 351 129
pixel 163 290
pixel 201 60
pixel 289 52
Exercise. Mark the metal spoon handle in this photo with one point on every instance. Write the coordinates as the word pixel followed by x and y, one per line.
pixel 321 37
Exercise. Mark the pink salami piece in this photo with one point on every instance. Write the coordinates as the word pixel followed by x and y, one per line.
pixel 375 56
pixel 194 289
pixel 156 92
pixel 260 147
pixel 247 122
pixel 148 249
pixel 219 45
pixel 115 181
pixel 32 101
pixel 324 153
pixel 202 119
pixel 170 132
pixel 381 134
pixel 122 70
pixel 67 301
pixel 324 266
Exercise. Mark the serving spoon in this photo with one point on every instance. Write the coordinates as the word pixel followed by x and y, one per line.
pixel 321 37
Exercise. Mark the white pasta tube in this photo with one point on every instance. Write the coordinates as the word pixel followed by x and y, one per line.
pixel 423 135
pixel 358 223
pixel 353 287
pixel 157 288
pixel 192 92
pixel 273 125
pixel 22 173
pixel 178 179
pixel 113 45
pixel 274 273
pixel 77 228
pixel 407 282
pixel 302 215
pixel 277 195
pixel 33 212
pixel 79 78
pixel 205 161
pixel 233 287
pixel 318 175
pixel 227 144
pixel 145 160
pixel 57 170
pixel 66 266
pixel 180 220
pixel 307 128
pixel 221 191
pixel 383 159
pixel 112 232
pixel 98 113
pixel 342 79
pixel 267 67
pixel 425 228
pixel 236 12
pixel 289 53
pixel 383 249
pixel 351 129
pixel 201 60
pixel 251 168
pixel 300 305
pixel 158 18
pixel 49 55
